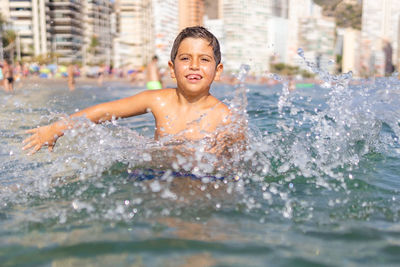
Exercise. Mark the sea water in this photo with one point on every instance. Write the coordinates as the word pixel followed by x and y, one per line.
pixel 318 183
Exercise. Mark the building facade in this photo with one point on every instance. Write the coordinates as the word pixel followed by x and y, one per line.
pixel 30 21
pixel 166 27
pixel 380 24
pixel 97 36
pixel 246 34
pixel 191 13
pixel 62 29
pixel 66 29
pixel 351 51
pixel 134 43
pixel 317 39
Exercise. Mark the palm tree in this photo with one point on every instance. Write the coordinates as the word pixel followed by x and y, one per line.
pixel 9 37
pixel 94 43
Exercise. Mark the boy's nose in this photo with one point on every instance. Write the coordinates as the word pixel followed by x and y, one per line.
pixel 194 64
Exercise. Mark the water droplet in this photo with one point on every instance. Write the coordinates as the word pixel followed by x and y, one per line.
pixel 155 186
pixel 300 52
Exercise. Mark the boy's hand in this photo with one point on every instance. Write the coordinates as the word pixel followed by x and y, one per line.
pixel 45 135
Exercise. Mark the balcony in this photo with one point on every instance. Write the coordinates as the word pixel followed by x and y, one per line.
pixel 67 21
pixel 66 29
pixel 21 13
pixel 20 4
pixel 56 5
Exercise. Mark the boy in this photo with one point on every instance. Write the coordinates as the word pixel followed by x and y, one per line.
pixel 188 112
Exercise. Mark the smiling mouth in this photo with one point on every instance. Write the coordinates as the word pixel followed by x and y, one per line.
pixel 194 77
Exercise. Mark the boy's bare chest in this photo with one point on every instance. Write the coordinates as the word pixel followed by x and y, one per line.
pixel 189 124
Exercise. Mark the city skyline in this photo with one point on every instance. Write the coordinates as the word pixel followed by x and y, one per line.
pixel 264 33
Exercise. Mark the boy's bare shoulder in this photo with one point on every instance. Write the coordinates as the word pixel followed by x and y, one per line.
pixel 221 110
pixel 161 92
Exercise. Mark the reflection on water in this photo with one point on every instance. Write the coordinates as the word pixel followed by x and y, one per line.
pixel 318 184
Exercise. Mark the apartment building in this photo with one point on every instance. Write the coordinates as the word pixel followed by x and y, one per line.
pixel 66 30
pixel 213 21
pixel 299 9
pixel 30 21
pixel 246 34
pixel 166 27
pixel 191 13
pixel 97 36
pixel 380 24
pixel 69 30
pixel 134 43
pixel 317 39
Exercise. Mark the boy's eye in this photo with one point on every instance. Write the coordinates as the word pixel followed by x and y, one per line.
pixel 205 59
pixel 184 58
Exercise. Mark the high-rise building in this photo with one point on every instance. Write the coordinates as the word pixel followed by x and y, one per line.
pixel 280 8
pixel 145 28
pixel 351 50
pixel 317 39
pixel 214 23
pixel 62 28
pixel 29 20
pixel 278 28
pixel 166 27
pixel 66 29
pixel 380 20
pixel 213 9
pixel 97 42
pixel 246 34
pixel 299 9
pixel 191 13
pixel 134 44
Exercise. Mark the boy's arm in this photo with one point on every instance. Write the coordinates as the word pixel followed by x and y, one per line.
pixel 122 108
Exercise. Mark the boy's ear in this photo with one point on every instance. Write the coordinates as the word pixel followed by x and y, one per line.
pixel 218 72
pixel 171 69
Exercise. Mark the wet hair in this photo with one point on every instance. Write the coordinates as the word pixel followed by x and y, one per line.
pixel 197 32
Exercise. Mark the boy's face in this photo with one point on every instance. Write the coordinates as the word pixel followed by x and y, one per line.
pixel 195 68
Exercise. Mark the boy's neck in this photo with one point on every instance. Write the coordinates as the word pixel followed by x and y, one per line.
pixel 186 99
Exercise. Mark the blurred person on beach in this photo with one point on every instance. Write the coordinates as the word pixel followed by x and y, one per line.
pixel 17 71
pixel 291 83
pixel 186 113
pixel 153 77
pixel 100 74
pixel 25 70
pixel 1 74
pixel 71 77
pixel 8 76
pixel 137 77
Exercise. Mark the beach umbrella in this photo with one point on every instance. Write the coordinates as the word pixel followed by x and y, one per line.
pixel 45 70
pixel 62 69
pixel 52 67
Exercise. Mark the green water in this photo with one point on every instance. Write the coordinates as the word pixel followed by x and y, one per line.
pixel 318 187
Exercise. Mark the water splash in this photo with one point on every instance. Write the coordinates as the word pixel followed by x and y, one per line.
pixel 239 102
pixel 101 170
